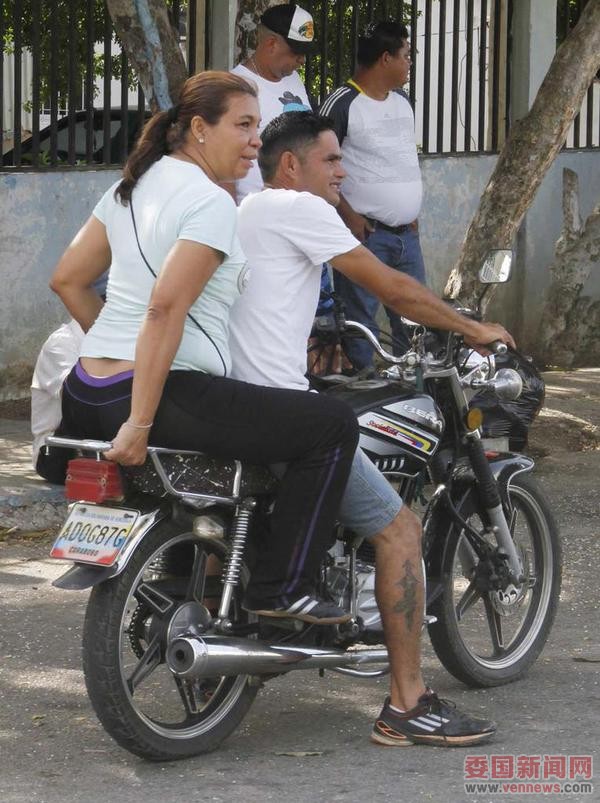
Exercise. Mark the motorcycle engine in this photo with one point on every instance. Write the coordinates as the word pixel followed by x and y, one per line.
pixel 338 584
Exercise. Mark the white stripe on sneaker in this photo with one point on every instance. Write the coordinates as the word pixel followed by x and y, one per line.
pixel 433 719
pixel 298 604
pixel 420 723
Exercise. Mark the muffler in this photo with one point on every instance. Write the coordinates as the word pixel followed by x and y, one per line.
pixel 192 657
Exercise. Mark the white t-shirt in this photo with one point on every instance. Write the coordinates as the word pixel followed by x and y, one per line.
pixel 174 200
pixel 286 236
pixel 56 358
pixel 377 137
pixel 274 98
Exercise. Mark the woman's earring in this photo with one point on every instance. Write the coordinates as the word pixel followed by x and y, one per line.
pixel 200 140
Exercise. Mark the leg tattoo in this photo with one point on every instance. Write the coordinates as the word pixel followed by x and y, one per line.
pixel 408 604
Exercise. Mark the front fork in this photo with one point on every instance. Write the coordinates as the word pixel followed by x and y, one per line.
pixel 492 503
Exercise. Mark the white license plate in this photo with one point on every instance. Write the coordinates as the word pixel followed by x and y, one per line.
pixel 94 534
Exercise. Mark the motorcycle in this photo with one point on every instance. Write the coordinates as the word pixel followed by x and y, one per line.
pixel 171 659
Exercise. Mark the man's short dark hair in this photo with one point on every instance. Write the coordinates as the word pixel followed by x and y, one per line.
pixel 291 131
pixel 379 38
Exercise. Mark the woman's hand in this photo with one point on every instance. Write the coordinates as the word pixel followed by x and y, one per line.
pixel 129 447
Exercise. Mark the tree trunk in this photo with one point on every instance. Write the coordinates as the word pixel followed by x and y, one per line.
pixel 246 24
pixel 146 33
pixel 572 321
pixel 532 144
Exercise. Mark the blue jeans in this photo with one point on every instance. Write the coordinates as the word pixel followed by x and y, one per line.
pixel 369 503
pixel 401 252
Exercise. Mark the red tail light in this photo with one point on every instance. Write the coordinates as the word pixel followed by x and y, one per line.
pixel 92 480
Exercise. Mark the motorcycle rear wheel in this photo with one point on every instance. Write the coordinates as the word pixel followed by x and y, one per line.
pixel 490 638
pixel 140 703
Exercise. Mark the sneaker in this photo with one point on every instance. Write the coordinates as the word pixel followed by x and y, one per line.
pixel 307 609
pixel 431 721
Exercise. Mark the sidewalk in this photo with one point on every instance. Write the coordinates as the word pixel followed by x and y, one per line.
pixel 26 501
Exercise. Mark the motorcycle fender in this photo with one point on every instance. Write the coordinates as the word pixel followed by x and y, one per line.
pixel 83 575
pixel 505 467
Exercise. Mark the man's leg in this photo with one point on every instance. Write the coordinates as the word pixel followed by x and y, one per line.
pixel 404 255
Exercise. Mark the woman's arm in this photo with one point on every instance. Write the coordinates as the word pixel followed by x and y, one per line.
pixel 84 261
pixel 185 272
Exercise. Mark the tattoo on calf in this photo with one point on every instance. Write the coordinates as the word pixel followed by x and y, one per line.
pixel 408 604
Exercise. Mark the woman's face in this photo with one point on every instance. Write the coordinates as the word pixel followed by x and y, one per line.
pixel 232 144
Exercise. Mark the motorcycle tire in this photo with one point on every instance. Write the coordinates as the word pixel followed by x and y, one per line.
pixel 140 703
pixel 490 638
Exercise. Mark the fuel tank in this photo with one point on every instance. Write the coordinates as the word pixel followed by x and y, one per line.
pixel 400 429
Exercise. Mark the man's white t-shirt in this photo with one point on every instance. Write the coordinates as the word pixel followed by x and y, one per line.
pixel 174 200
pixel 274 98
pixel 377 137
pixel 286 236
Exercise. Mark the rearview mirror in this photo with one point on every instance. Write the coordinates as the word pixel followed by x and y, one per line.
pixel 497 267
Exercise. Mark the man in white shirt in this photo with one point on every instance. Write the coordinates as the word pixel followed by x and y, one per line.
pixel 287 231
pixel 381 192
pixel 285 36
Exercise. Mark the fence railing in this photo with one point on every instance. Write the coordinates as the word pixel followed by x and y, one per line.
pixel 68 97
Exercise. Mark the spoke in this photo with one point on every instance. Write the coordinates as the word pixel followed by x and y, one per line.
pixel 158 602
pixel 193 702
pixel 195 588
pixel 467 557
pixel 146 665
pixel 468 599
pixel 495 625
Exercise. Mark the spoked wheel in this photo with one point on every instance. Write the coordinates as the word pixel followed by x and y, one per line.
pixel 172 585
pixel 488 635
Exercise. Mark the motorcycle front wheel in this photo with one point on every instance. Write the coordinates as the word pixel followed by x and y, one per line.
pixel 488 636
pixel 172 579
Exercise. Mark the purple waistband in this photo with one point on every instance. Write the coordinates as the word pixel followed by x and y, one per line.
pixel 100 382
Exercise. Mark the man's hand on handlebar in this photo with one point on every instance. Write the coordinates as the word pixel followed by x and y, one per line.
pixel 487 334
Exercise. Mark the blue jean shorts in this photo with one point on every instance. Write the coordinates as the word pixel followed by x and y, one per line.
pixel 369 503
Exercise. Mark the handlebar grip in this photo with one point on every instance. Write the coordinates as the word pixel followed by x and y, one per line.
pixel 497 347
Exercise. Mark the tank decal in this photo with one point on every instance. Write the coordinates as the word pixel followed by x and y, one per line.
pixel 397 432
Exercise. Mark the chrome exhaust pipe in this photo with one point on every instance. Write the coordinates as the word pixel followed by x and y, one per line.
pixel 192 657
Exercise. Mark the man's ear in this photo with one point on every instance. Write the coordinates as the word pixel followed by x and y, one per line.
pixel 289 165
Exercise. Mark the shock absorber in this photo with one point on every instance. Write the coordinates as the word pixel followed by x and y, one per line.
pixel 233 565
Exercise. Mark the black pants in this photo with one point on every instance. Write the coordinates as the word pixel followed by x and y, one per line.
pixel 315 435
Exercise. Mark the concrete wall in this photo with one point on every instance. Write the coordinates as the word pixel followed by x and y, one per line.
pixel 39 214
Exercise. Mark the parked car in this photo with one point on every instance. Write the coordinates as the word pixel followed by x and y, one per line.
pixel 62 139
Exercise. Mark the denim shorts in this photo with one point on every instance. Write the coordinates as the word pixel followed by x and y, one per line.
pixel 369 503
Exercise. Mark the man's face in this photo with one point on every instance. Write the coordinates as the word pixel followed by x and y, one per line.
pixel 281 59
pixel 320 168
pixel 398 65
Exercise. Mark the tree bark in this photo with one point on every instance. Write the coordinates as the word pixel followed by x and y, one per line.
pixel 146 33
pixel 532 144
pixel 246 25
pixel 572 321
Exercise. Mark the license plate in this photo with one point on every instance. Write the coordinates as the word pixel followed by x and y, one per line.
pixel 94 534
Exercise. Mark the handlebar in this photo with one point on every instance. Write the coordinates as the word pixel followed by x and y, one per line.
pixel 84 444
pixel 497 347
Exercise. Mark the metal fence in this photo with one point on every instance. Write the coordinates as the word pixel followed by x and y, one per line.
pixel 73 98
pixel 74 101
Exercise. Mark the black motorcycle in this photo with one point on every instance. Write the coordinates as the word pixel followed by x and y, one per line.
pixel 172 661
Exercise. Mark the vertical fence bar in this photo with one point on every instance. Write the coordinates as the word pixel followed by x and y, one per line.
pixel 106 87
pixel 191 37
pixel 589 123
pixel 441 77
pixel 507 98
pixel 354 35
pixel 454 95
pixel 35 89
pixel 577 120
pixel 340 7
pixel 88 94
pixel 324 65
pixel 496 73
pixel 427 76
pixel 17 75
pixel 53 85
pixel 309 66
pixel 469 76
pixel 71 73
pixel 2 86
pixel 482 71
pixel 414 16
pixel 124 130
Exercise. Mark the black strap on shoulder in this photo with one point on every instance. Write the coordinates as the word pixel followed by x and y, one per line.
pixel 189 315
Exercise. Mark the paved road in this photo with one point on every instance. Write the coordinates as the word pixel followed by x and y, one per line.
pixel 52 748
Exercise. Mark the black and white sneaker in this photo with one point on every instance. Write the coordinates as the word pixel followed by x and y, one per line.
pixel 307 609
pixel 431 721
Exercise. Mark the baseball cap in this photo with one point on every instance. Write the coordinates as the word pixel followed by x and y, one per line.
pixel 294 24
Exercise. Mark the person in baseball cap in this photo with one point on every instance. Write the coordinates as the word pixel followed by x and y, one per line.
pixel 294 24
